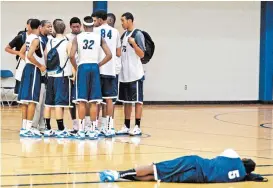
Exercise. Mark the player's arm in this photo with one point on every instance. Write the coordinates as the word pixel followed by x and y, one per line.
pixel 68 51
pixel 73 53
pixel 22 52
pixel 118 50
pixel 33 47
pixel 11 45
pixel 138 44
pixel 108 54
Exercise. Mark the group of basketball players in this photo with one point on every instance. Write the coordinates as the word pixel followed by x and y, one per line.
pixel 92 71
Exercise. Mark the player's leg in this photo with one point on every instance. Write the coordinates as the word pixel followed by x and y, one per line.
pixel 42 108
pixel 62 86
pixel 82 96
pixel 49 102
pixel 125 98
pixel 94 98
pixel 73 109
pixel 30 93
pixel 24 119
pixel 137 89
pixel 87 117
pixel 142 173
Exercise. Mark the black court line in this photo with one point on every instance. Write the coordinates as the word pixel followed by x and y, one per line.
pixel 68 173
pixel 218 115
pixel 71 183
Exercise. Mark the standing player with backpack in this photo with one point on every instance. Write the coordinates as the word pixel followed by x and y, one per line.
pixel 59 69
pixel 134 52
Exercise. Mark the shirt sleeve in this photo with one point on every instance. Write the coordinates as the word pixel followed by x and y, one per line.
pixel 15 41
pixel 140 40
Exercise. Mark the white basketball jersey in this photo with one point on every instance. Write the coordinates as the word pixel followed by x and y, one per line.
pixel 70 37
pixel 63 56
pixel 89 45
pixel 131 66
pixel 39 54
pixel 112 38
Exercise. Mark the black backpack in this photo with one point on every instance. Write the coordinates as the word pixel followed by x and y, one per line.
pixel 53 60
pixel 149 45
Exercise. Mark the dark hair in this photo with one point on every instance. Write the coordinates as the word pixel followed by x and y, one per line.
pixel 100 14
pixel 88 19
pixel 249 165
pixel 44 22
pixel 29 20
pixel 35 23
pixel 59 26
pixel 128 16
pixel 75 20
pixel 111 15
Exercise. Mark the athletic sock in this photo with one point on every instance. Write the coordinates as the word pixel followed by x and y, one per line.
pixel 127 123
pixel 29 124
pixel 127 174
pixel 24 123
pixel 60 123
pixel 47 123
pixel 138 122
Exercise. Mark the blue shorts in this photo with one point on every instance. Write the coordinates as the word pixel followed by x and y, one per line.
pixel 108 88
pixel 182 169
pixel 30 85
pixel 88 87
pixel 131 92
pixel 17 87
pixel 58 92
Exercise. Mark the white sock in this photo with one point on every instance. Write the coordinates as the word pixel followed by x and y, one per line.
pixel 93 125
pixel 28 124
pixel 87 119
pixel 112 123
pixel 97 122
pixel 81 124
pixel 108 122
pixel 24 123
pixel 75 124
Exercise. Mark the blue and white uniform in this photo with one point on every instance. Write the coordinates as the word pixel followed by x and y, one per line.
pixel 227 167
pixel 88 87
pixel 31 78
pixel 107 71
pixel 58 91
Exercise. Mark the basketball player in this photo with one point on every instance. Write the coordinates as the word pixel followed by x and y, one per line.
pixel 38 120
pixel 111 20
pixel 75 26
pixel 88 45
pixel 29 92
pixel 132 75
pixel 58 91
pixel 17 43
pixel 227 167
pixel 107 71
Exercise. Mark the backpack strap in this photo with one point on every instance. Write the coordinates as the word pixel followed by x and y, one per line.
pixel 57 44
pixel 133 35
pixel 64 66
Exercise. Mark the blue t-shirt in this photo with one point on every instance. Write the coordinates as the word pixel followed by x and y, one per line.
pixel 222 169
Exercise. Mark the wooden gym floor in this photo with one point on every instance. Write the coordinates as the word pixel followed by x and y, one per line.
pixel 169 132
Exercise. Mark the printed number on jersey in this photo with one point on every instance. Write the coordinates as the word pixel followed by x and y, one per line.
pixel 233 174
pixel 88 44
pixel 103 33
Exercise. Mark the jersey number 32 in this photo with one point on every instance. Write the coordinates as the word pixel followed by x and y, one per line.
pixel 88 44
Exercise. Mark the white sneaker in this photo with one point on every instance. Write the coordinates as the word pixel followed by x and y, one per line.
pixel 91 135
pixel 135 131
pixel 124 130
pixel 80 135
pixel 63 134
pixel 49 133
pixel 36 132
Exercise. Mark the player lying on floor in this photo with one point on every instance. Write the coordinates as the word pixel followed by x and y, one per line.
pixel 227 167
